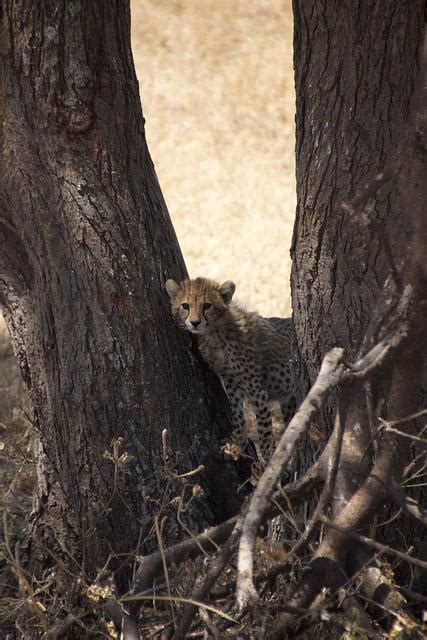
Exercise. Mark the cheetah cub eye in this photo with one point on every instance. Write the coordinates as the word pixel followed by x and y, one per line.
pixel 185 306
pixel 206 306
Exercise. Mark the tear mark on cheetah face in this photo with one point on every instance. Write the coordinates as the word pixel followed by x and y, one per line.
pixel 200 303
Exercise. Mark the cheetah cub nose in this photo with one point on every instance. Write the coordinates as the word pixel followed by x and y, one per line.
pixel 195 323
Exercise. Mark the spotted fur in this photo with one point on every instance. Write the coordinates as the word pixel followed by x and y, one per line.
pixel 255 357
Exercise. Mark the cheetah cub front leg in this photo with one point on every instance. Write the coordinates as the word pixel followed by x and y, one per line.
pixel 262 408
pixel 236 397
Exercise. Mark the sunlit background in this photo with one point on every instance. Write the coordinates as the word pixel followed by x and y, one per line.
pixel 217 91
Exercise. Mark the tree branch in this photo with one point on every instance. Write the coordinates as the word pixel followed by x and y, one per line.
pixel 407 503
pixel 383 548
pixel 388 425
pixel 200 592
pixel 329 486
pixel 329 376
pixel 333 371
pixel 151 567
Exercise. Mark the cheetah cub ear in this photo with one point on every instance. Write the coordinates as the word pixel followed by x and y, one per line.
pixel 226 291
pixel 172 288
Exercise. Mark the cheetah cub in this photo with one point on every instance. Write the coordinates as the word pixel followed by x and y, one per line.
pixel 254 357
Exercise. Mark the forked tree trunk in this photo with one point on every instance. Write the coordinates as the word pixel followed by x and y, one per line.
pixel 86 245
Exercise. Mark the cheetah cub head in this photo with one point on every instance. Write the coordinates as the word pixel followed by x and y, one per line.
pixel 198 304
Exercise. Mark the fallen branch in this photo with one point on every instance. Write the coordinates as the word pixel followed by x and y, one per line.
pixel 332 465
pixel 129 628
pixel 218 612
pixel 200 592
pixel 151 567
pixel 326 575
pixel 204 616
pixel 357 616
pixel 403 618
pixel 122 618
pixel 328 582
pixel 329 376
pixel 332 550
pixel 350 622
pixel 333 371
pixel 380 590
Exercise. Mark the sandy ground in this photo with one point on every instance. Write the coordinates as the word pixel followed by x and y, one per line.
pixel 217 89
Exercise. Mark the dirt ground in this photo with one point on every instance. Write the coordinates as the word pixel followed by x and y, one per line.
pixel 217 90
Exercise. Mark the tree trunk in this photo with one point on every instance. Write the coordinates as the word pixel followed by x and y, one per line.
pixel 355 67
pixel 86 245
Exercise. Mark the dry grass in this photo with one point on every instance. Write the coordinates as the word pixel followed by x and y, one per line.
pixel 217 88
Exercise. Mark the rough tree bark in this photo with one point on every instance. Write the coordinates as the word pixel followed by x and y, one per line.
pixel 86 245
pixel 355 67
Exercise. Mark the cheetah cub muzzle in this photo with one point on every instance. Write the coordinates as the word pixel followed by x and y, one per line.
pixel 256 358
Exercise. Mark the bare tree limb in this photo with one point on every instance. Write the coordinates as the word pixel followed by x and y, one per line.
pixel 414 416
pixel 325 575
pixel 333 371
pixel 329 486
pixel 383 548
pixel 356 615
pixel 371 492
pixel 129 628
pixel 355 620
pixel 407 503
pixel 380 590
pixel 200 592
pixel 385 426
pixel 151 567
pixel 330 374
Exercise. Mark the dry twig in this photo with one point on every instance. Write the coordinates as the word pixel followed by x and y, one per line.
pixel 200 592
pixel 408 504
pixel 151 567
pixel 383 548
pixel 328 488
pixel 330 375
